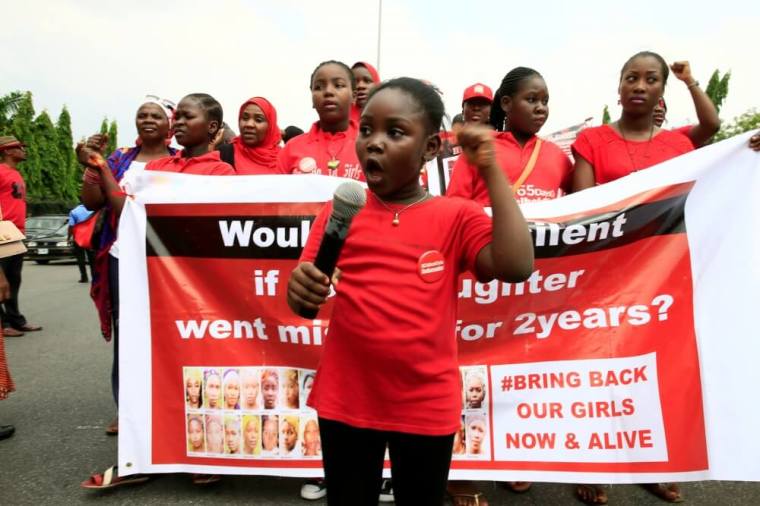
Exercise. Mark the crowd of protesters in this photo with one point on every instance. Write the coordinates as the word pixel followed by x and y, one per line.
pixel 380 133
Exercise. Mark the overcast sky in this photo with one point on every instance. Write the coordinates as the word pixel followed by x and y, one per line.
pixel 100 58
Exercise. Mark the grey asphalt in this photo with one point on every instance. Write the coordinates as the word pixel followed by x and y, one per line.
pixel 64 402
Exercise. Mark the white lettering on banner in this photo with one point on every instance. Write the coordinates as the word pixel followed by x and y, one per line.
pixel 488 293
pixel 579 411
pixel 542 325
pixel 260 280
pixel 474 331
pixel 222 329
pixel 241 233
pixel 552 234
pixel 302 334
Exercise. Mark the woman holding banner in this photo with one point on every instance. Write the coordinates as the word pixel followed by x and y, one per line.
pixel 101 191
pixel 537 169
pixel 197 120
pixel 633 142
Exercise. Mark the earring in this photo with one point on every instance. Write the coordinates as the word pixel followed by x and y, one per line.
pixel 505 123
pixel 619 101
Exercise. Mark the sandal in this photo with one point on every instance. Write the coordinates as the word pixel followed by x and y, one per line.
pixel 111 479
pixel 28 327
pixel 205 479
pixel 476 499
pixel 113 427
pixel 668 492
pixel 518 487
pixel 591 494
pixel 463 493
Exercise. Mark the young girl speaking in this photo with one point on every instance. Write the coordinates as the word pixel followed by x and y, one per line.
pixel 392 330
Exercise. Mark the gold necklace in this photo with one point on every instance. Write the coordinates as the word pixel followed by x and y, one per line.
pixel 333 163
pixel 396 213
pixel 628 149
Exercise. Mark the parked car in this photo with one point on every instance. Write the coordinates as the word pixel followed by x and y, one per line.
pixel 47 238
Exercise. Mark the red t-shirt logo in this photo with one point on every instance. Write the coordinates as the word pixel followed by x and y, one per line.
pixel 431 266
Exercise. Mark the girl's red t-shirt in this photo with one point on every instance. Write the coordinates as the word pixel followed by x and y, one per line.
pixel 209 164
pixel 324 153
pixel 614 157
pixel 390 358
pixel 550 178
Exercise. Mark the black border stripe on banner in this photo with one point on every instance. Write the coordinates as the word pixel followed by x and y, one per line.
pixel 276 237
pixel 609 230
pixel 283 237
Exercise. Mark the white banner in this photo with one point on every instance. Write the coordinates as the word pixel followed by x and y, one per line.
pixel 634 436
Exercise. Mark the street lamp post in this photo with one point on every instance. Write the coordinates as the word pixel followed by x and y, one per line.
pixel 379 30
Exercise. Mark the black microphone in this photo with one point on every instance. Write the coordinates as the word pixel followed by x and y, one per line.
pixel 348 200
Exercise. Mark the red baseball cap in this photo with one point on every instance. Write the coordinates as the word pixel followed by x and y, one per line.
pixel 477 90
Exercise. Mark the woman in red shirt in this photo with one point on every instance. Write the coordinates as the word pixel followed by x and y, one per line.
pixel 328 147
pixel 521 107
pixel 608 152
pixel 255 150
pixel 403 246
pixel 633 142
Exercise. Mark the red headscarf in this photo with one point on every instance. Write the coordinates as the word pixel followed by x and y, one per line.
pixel 262 158
pixel 356 112
pixel 372 70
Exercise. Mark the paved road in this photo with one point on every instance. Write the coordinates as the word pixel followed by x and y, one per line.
pixel 64 402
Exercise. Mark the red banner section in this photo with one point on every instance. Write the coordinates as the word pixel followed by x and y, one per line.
pixel 589 365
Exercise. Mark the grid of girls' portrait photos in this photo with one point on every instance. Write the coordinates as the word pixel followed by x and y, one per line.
pixel 250 412
pixel 472 441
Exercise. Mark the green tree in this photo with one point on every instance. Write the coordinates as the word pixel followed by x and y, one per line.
pixel 750 120
pixel 104 126
pixel 53 166
pixel 605 115
pixel 717 88
pixel 8 106
pixel 113 134
pixel 22 126
pixel 65 140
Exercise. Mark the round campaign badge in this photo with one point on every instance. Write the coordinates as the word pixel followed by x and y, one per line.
pixel 431 266
pixel 307 165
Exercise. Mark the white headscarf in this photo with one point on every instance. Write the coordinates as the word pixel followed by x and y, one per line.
pixel 166 105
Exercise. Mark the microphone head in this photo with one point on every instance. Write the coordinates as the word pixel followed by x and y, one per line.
pixel 348 200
